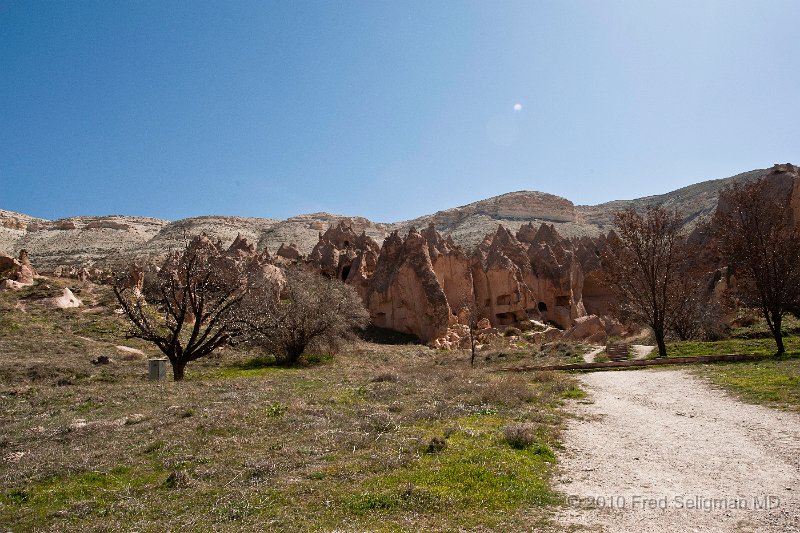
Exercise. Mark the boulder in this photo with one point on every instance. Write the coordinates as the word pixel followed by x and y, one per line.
pixel 67 300
pixel 289 252
pixel 585 327
pixel 11 285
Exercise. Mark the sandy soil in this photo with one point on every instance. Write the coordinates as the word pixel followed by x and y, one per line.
pixel 654 443
pixel 590 355
pixel 640 351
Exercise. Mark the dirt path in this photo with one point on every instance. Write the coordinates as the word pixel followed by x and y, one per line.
pixel 590 355
pixel 665 439
pixel 640 351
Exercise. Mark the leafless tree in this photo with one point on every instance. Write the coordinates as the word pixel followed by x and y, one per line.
pixel 311 309
pixel 468 312
pixel 642 264
pixel 698 315
pixel 759 238
pixel 190 307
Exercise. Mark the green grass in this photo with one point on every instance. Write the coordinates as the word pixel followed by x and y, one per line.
pixel 729 346
pixel 775 383
pixel 574 393
pixel 758 328
pixel 476 478
pixel 89 494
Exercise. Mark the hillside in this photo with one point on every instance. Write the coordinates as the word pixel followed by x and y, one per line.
pixel 108 240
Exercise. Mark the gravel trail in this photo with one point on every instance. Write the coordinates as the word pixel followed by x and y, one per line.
pixel 669 453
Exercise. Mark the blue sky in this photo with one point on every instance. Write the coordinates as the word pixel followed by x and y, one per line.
pixel 388 110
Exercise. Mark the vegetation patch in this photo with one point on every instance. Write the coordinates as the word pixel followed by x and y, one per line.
pixel 774 383
pixel 762 346
pixel 476 472
pixel 88 493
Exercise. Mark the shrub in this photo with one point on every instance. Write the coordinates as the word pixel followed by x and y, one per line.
pixel 508 390
pixel 519 436
pixel 436 445
pixel 311 310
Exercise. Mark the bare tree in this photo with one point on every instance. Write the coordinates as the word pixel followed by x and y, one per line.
pixel 697 315
pixel 311 309
pixel 469 313
pixel 759 238
pixel 190 307
pixel 642 265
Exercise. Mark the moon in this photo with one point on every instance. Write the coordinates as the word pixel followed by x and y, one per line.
pixel 517 107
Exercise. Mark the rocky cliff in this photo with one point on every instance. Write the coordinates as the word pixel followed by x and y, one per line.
pixel 110 240
pixel 538 261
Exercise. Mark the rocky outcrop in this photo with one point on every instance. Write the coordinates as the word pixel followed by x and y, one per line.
pixel 503 280
pixel 102 224
pixel 589 328
pixel 426 285
pixel 404 294
pixel 19 270
pixel 114 241
pixel 67 300
pixel 289 252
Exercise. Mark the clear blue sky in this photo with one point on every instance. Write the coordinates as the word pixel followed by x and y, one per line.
pixel 388 110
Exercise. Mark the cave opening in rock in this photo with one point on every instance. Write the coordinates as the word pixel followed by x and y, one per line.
pixel 345 272
pixel 504 299
pixel 505 319
pixel 542 307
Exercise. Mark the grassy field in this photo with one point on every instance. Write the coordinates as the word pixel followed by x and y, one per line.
pixel 379 437
pixel 753 338
pixel 771 382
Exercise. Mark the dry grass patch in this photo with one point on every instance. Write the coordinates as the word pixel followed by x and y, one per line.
pixel 379 437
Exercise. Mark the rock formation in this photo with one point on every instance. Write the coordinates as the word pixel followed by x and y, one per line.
pixel 19 271
pixel 426 285
pixel 66 300
pixel 404 294
pixel 504 261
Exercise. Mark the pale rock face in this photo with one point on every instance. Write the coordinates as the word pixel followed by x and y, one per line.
pixel 503 278
pixel 339 248
pixel 241 247
pixel 64 225
pixel 67 300
pixel 587 327
pixel 361 270
pixel 452 269
pixel 424 283
pixel 11 285
pixel 108 224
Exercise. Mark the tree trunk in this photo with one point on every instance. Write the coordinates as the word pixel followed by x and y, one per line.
pixel 293 354
pixel 776 333
pixel 178 368
pixel 472 346
pixel 662 347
